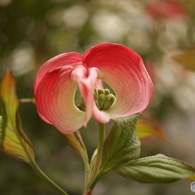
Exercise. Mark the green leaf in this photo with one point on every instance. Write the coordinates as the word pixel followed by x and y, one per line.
pixel 13 141
pixel 145 129
pixel 156 169
pixel 121 144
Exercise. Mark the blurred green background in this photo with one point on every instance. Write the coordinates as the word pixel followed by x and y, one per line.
pixel 33 31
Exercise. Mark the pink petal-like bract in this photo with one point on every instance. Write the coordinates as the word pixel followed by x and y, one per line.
pixel 116 65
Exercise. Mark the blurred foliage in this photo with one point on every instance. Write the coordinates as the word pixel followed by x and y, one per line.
pixel 32 31
pixel 186 57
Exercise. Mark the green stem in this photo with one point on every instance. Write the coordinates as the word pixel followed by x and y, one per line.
pixel 87 171
pixel 76 142
pixel 101 130
pixel 98 160
pixel 34 165
pixel 27 100
pixel 45 177
pixel 85 158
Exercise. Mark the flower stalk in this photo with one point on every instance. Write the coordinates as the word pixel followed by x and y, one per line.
pixel 96 168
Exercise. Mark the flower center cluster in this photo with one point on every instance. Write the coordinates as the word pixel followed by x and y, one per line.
pixel 103 99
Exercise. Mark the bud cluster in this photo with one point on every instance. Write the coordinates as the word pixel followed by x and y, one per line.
pixel 103 98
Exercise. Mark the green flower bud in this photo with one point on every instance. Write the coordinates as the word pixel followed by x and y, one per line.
pixel 103 98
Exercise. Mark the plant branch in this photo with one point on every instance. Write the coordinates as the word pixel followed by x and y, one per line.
pixel 96 169
pixel 45 177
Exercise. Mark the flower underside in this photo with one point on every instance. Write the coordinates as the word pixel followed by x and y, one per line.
pixel 103 98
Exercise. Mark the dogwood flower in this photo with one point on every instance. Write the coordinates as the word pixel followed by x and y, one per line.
pixel 105 64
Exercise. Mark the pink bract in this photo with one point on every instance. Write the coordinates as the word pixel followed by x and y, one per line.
pixel 118 66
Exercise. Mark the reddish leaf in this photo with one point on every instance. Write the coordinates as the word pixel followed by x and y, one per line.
pixel 13 141
pixel 145 129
